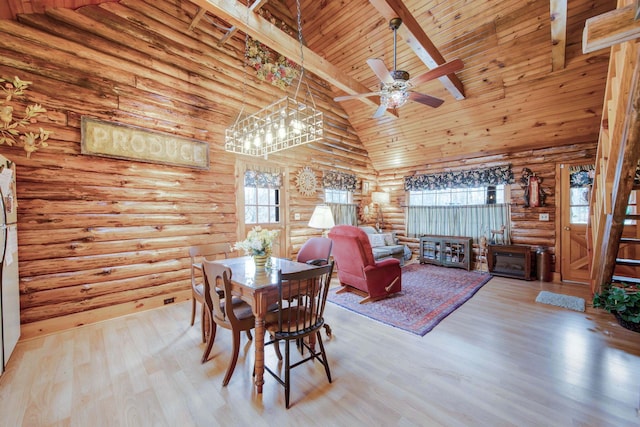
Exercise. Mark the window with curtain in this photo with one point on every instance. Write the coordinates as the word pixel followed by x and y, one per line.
pixel 466 203
pixel 262 197
pixel 338 191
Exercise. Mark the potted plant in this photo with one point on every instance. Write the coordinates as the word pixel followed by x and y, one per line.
pixel 623 300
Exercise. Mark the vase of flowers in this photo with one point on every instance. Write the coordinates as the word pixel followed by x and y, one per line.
pixel 258 244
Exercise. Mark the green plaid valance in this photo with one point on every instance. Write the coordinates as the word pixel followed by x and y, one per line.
pixel 460 179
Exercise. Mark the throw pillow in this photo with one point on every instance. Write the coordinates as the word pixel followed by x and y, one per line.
pixel 388 239
pixel 376 240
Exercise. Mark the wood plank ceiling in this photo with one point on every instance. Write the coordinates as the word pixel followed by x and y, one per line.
pixel 517 92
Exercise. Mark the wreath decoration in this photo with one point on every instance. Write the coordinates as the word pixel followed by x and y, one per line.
pixel 306 182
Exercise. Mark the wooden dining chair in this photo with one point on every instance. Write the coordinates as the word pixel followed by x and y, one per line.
pixel 317 251
pixel 302 297
pixel 229 312
pixel 197 254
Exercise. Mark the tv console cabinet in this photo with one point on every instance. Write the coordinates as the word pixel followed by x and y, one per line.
pixel 448 251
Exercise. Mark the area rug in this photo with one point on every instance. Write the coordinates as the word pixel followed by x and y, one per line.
pixel 560 300
pixel 429 294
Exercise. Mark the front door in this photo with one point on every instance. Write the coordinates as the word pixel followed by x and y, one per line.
pixel 574 213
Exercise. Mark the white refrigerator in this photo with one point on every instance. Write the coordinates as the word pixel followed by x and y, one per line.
pixel 9 280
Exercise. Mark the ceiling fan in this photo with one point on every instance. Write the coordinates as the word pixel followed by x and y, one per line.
pixel 395 86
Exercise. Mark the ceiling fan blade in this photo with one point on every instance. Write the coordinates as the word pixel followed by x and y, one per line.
pixel 431 101
pixel 378 67
pixel 380 112
pixel 439 71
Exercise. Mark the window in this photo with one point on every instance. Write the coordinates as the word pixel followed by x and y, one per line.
pixel 262 197
pixel 486 195
pixel 337 196
pixel 580 181
pixel 261 205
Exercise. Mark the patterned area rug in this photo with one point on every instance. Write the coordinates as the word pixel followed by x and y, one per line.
pixel 429 294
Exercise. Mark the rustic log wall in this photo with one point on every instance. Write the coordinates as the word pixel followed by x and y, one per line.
pixel 101 237
pixel 526 228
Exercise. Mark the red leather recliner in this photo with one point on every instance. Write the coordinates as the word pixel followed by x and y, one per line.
pixel 357 267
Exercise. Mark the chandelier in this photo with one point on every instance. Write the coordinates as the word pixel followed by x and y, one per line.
pixel 286 123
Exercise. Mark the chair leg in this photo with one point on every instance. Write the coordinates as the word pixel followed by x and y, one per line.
pixel 287 377
pixel 212 336
pixel 234 357
pixel 249 335
pixel 276 347
pixel 328 330
pixel 325 362
pixel 193 310
pixel 202 321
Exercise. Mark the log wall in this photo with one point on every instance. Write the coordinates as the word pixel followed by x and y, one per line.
pixel 526 228
pixel 102 237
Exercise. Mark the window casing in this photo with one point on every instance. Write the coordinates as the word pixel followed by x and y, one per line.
pixel 485 195
pixel 338 196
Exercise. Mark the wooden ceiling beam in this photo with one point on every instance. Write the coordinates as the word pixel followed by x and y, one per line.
pixel 255 6
pixel 264 31
pixel 413 34
pixel 610 28
pixel 558 14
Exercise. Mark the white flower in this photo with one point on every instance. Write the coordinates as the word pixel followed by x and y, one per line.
pixel 259 241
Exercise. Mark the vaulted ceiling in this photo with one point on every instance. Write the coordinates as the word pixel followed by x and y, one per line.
pixel 518 90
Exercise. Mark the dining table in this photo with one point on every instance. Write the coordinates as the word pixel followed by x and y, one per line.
pixel 259 288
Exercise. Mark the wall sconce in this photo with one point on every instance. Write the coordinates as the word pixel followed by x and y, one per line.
pixel 322 218
pixel 379 198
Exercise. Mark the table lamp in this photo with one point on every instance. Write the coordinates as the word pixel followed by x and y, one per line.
pixel 322 218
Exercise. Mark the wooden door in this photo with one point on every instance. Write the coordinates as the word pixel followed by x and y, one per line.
pixel 574 211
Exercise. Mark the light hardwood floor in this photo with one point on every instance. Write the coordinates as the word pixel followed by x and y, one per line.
pixel 499 360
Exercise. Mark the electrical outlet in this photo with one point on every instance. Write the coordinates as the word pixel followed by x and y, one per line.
pixel 169 300
pixel 296 216
pixel 544 217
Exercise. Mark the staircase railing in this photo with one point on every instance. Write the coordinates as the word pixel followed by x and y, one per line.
pixel 616 161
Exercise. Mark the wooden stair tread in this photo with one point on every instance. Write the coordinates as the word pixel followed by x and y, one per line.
pixel 629 240
pixel 627 261
pixel 625 279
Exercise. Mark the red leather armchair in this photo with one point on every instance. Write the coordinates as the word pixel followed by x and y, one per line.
pixel 358 269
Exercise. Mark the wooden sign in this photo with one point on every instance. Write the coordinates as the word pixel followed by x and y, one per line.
pixel 120 141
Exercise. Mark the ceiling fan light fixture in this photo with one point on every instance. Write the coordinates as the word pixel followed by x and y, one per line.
pixel 394 99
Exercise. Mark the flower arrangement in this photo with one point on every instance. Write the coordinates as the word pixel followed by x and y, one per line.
pixel 9 124
pixel 280 72
pixel 259 241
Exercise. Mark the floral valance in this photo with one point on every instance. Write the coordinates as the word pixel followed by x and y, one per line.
pixel 460 179
pixel 339 181
pixel 261 179
pixel 581 176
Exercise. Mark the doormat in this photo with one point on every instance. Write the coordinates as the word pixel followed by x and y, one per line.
pixel 565 301
pixel 429 294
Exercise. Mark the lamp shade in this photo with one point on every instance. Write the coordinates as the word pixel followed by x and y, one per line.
pixel 380 197
pixel 322 218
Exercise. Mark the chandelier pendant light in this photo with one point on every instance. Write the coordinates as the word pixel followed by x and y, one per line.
pixel 284 124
